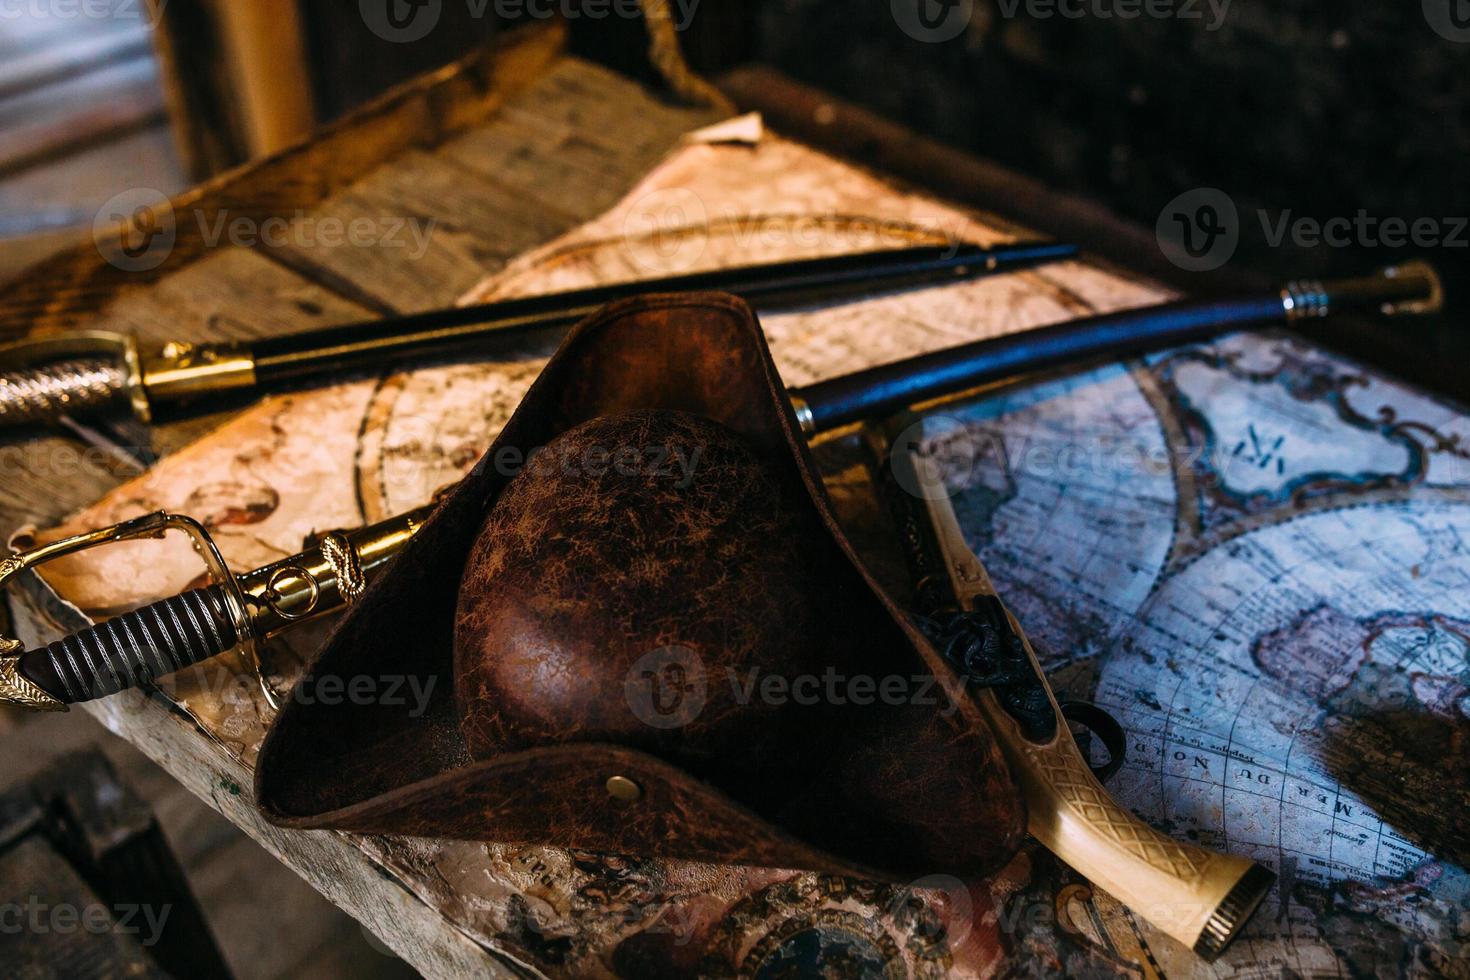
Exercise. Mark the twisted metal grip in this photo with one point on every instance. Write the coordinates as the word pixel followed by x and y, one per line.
pixel 39 395
pixel 86 373
pixel 138 646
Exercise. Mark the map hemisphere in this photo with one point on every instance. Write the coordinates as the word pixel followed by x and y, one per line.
pixel 1278 614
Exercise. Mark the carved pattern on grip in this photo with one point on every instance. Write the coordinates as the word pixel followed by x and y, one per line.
pixel 1075 784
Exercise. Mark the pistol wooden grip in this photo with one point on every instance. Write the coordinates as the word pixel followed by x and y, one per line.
pixel 1194 895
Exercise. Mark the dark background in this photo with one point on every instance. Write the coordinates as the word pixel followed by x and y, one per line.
pixel 1308 109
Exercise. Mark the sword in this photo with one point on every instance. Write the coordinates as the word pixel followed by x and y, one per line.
pixel 99 373
pixel 1201 898
pixel 138 647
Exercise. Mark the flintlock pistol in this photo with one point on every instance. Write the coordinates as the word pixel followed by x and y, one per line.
pixel 1200 897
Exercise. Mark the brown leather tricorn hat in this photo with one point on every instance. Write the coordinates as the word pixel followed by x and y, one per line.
pixel 648 638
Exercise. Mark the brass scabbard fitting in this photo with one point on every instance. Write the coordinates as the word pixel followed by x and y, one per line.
pixel 183 371
pixel 1407 289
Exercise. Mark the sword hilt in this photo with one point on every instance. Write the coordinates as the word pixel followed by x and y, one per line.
pixel 77 374
pixel 140 646
pixel 42 394
pixel 134 648
pixel 137 646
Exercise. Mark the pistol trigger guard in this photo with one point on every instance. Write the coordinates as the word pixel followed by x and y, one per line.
pixel 1101 723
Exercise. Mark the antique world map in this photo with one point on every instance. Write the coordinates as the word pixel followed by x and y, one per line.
pixel 1255 554
pixel 1258 558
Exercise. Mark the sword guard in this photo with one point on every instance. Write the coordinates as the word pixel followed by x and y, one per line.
pixel 17 689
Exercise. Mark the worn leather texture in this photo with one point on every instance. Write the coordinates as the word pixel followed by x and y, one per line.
pixel 645 546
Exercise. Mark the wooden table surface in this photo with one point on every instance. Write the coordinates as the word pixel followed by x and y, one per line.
pixel 501 153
